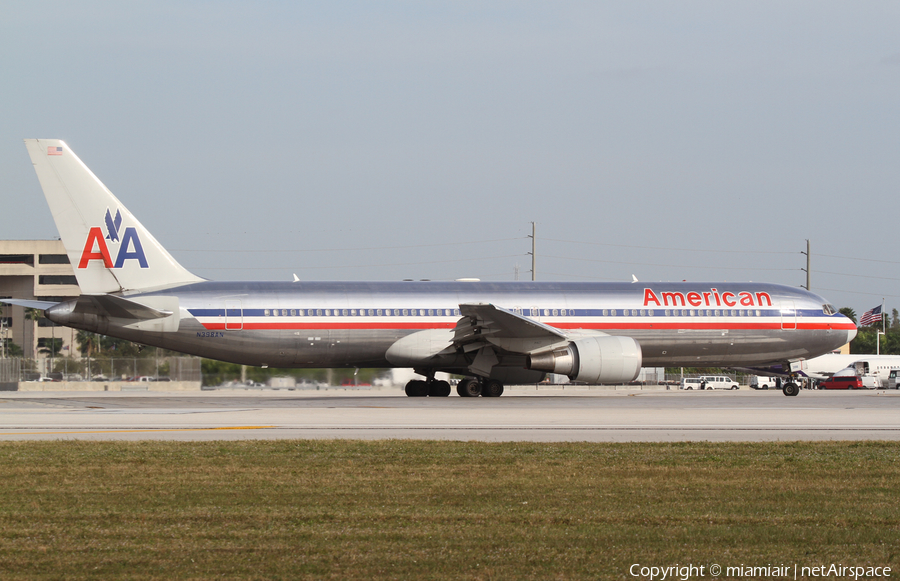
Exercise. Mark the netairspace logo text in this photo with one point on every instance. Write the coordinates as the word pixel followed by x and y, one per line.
pixel 684 572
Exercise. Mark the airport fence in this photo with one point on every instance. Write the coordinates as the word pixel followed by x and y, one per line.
pixel 14 370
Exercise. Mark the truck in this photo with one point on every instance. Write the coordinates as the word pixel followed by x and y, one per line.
pixel 893 377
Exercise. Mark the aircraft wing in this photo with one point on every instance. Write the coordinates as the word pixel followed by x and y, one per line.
pixel 487 324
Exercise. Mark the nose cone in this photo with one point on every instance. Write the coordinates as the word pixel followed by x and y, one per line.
pixel 851 333
pixel 846 329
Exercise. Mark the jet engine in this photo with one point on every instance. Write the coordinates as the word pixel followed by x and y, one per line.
pixel 603 359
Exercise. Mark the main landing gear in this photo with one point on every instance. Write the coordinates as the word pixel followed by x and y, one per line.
pixel 469 387
pixel 473 387
pixel 422 388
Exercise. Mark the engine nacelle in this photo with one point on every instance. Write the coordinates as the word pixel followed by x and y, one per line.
pixel 593 360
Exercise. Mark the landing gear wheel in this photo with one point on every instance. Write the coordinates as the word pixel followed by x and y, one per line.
pixel 492 388
pixel 790 388
pixel 469 388
pixel 439 389
pixel 416 388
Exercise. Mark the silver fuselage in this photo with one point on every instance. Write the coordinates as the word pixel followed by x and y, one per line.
pixel 353 324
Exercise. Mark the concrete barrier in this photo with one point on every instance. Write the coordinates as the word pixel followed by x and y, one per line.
pixel 108 386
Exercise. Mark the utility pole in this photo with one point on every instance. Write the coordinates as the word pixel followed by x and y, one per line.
pixel 807 264
pixel 533 255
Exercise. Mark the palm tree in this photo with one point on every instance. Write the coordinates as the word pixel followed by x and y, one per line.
pixel 87 342
pixel 33 315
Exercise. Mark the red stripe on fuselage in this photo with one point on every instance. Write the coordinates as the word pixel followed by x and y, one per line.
pixel 591 326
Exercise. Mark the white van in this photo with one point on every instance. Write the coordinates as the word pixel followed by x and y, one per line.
pixel 690 383
pixel 717 382
pixel 764 382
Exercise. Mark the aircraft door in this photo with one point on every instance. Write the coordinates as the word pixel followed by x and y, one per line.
pixel 788 316
pixel 234 315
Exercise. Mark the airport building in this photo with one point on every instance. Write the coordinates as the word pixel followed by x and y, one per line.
pixel 39 270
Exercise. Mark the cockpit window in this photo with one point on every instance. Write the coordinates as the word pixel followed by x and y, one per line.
pixel 829 309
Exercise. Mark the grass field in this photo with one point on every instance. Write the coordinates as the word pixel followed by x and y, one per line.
pixel 439 510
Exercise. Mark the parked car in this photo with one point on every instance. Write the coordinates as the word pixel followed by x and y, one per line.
pixel 842 382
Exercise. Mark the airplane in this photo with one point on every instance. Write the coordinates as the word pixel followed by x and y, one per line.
pixel 493 333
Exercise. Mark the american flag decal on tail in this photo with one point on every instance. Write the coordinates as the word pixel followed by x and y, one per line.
pixel 54 150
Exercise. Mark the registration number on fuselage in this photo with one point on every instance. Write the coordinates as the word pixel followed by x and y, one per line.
pixel 210 334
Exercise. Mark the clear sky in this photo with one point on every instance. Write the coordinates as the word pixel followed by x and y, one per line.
pixel 697 140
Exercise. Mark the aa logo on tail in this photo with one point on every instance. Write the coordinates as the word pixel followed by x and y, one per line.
pixel 129 248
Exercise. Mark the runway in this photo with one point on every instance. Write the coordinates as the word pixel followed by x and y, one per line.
pixel 522 415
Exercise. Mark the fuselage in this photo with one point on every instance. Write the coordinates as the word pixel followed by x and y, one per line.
pixel 353 324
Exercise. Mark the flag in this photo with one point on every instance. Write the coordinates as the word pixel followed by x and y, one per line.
pixel 54 150
pixel 871 316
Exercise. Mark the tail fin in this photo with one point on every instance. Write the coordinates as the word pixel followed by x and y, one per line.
pixel 109 249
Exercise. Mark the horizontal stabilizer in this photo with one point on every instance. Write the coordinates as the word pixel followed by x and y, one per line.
pixel 99 310
pixel 40 305
pixel 116 307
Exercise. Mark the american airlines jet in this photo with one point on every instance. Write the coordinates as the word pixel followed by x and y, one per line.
pixel 490 332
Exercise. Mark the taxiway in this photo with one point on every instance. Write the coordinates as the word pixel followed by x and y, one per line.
pixel 539 416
